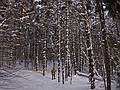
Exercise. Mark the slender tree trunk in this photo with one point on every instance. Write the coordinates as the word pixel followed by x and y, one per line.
pixel 59 40
pixel 89 46
pixel 104 37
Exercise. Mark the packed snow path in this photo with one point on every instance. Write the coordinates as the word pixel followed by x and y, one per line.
pixel 32 80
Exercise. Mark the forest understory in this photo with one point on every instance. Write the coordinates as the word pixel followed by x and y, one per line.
pixel 60 44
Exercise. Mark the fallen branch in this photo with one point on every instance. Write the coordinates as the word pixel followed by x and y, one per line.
pixel 86 75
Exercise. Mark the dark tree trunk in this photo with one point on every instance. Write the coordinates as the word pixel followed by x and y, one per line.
pixel 89 45
pixel 104 37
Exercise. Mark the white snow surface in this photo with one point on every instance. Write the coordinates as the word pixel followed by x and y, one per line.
pixel 32 80
pixel 37 0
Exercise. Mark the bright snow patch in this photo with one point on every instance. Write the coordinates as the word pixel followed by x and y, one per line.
pixel 39 6
pixel 37 0
pixel 35 81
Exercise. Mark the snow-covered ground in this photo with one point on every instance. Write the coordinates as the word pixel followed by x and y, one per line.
pixel 32 80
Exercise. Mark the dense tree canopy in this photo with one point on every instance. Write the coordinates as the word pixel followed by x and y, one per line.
pixel 74 35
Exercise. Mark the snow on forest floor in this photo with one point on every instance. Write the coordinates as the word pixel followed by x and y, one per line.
pixel 31 80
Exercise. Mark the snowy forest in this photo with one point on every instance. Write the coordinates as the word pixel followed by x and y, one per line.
pixel 59 44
